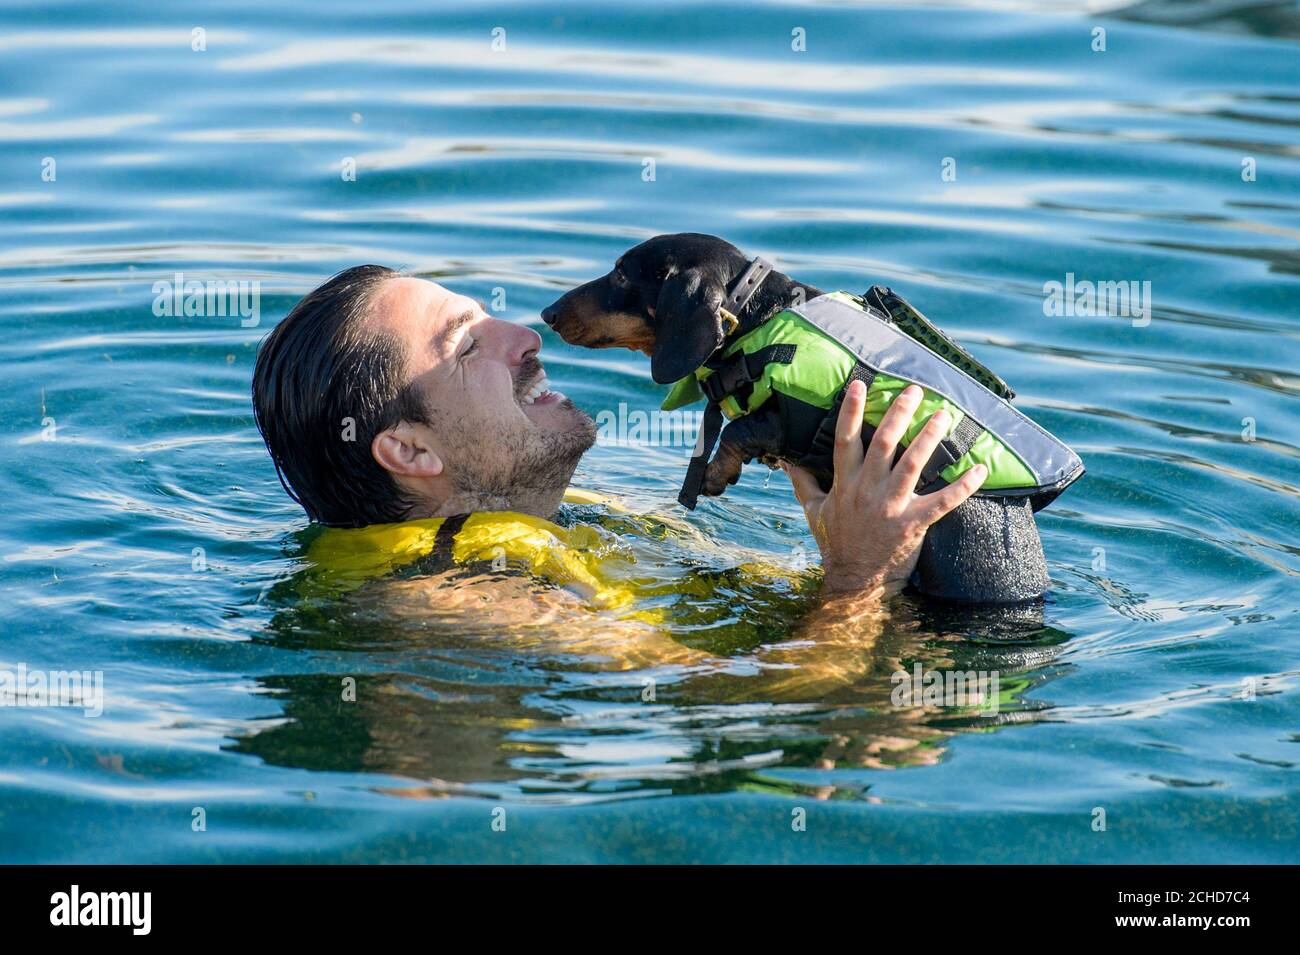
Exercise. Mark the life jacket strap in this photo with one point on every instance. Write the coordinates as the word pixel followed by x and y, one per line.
pixel 710 428
pixel 821 453
pixel 950 450
pixel 732 375
pixel 445 538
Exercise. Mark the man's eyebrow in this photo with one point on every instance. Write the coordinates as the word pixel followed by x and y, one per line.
pixel 458 321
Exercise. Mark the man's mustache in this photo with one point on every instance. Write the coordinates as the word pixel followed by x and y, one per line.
pixel 530 371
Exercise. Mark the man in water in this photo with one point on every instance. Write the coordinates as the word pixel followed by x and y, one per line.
pixel 385 398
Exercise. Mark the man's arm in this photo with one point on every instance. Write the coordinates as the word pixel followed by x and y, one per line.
pixel 518 613
pixel 871 524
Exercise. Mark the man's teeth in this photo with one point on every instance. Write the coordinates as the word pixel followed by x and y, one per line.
pixel 537 391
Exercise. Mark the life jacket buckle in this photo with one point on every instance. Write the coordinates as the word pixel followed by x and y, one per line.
pixel 729 378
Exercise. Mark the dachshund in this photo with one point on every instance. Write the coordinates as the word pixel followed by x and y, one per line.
pixel 663 298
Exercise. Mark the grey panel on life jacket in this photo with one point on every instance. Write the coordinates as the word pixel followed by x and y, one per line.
pixel 885 349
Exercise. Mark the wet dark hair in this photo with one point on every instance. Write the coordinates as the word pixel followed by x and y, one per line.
pixel 316 369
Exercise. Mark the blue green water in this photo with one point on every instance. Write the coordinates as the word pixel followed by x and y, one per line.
pixel 1161 686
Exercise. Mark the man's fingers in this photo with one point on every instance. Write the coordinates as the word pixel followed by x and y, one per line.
pixel 908 470
pixel 806 488
pixel 848 431
pixel 880 456
pixel 941 503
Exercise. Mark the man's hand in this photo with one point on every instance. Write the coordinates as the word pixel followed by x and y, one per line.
pixel 871 525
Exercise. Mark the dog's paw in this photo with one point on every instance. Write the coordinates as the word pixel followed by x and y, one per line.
pixel 723 471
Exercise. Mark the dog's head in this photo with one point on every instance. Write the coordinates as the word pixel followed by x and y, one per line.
pixel 662 298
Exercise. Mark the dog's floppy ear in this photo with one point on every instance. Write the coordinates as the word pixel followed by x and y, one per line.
pixel 688 328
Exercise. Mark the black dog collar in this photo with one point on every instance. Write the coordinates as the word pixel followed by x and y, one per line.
pixel 742 291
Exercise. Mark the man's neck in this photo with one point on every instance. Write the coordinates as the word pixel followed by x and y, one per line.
pixel 537 502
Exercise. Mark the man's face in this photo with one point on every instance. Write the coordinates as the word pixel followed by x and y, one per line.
pixel 497 426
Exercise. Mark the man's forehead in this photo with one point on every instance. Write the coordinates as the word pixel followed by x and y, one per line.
pixel 404 304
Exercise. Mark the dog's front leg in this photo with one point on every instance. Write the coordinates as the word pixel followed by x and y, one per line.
pixel 753 436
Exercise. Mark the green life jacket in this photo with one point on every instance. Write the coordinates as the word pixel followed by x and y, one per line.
pixel 803 358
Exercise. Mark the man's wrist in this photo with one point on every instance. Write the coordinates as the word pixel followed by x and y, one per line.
pixel 840 583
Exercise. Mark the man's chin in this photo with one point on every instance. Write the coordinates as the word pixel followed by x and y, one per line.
pixel 561 416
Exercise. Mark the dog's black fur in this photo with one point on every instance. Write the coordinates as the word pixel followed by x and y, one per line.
pixel 662 298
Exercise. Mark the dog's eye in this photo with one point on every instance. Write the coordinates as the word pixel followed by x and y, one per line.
pixel 619 278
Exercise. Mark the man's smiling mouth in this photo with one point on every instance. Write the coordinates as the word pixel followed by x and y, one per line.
pixel 540 393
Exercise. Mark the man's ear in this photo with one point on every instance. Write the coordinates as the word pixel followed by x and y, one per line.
pixel 401 450
pixel 687 326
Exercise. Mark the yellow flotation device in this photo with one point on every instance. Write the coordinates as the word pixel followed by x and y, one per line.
pixel 579 558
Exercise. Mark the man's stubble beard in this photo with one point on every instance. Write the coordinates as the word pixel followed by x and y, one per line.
pixel 537 467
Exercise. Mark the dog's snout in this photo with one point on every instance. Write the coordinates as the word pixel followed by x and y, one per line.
pixel 550 313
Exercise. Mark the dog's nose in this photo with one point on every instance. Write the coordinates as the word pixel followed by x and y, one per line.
pixel 549 314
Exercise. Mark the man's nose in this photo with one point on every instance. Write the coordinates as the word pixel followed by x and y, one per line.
pixel 518 341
